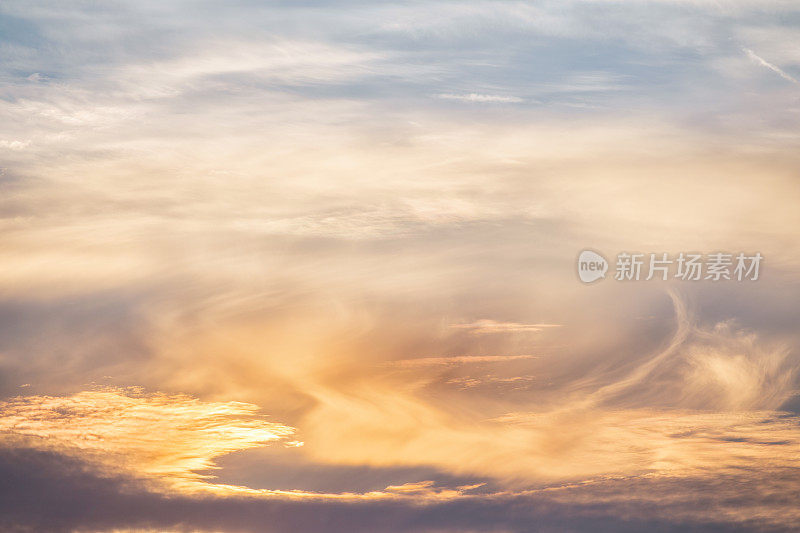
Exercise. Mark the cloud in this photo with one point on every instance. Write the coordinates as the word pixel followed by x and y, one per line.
pixel 481 98
pixel 169 439
pixel 459 360
pixel 233 64
pixel 707 400
pixel 486 326
pixel 14 145
pixel 33 482
pixel 272 209
pixel 515 381
pixel 752 55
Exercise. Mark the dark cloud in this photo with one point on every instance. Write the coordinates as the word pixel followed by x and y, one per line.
pixel 45 492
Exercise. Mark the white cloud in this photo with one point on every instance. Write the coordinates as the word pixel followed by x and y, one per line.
pixel 752 55
pixel 15 145
pixel 482 98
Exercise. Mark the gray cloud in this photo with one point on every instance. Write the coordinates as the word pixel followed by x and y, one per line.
pixel 44 491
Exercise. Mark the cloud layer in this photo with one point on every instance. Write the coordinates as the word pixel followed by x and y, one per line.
pixel 231 229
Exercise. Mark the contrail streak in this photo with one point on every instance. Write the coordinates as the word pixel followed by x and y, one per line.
pixel 752 55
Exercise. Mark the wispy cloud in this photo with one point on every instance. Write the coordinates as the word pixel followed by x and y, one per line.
pixel 284 204
pixel 774 68
pixel 459 360
pixel 485 326
pixel 471 382
pixel 14 145
pixel 481 98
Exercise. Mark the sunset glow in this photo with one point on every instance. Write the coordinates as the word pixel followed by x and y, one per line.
pixel 315 266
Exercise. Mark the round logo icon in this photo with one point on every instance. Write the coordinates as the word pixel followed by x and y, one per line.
pixel 591 266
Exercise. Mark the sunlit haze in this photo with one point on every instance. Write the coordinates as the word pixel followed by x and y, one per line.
pixel 314 266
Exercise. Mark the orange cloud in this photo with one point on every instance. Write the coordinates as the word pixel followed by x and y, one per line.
pixel 484 326
pixel 169 439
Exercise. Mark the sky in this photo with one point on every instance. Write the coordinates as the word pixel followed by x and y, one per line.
pixel 311 266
